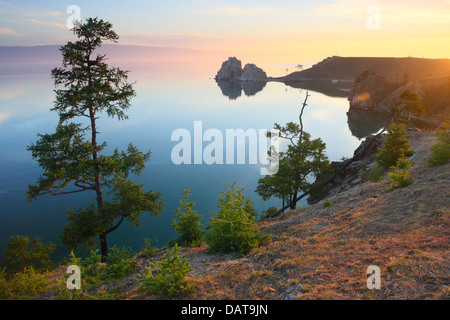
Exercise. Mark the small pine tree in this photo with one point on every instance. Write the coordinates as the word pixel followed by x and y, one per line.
pixel 168 276
pixel 399 174
pixel 395 146
pixel 234 228
pixel 440 152
pixel 188 224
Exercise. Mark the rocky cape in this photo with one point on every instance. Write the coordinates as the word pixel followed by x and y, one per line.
pixel 374 84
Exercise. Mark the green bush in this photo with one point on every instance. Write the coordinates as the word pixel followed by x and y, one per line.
pixel 440 152
pixel 395 146
pixel 147 251
pixel 94 274
pixel 27 283
pixel 234 228
pixel 169 275
pixel 399 174
pixel 119 264
pixel 376 173
pixel 21 253
pixel 327 203
pixel 268 213
pixel 188 224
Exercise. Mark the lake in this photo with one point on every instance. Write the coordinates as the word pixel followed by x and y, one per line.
pixel 171 95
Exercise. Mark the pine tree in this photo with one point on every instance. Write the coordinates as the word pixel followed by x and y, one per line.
pixel 234 228
pixel 395 146
pixel 188 224
pixel 87 87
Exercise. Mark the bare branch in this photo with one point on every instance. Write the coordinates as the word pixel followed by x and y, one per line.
pixel 301 115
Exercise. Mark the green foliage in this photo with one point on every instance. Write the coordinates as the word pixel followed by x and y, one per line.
pixel 268 213
pixel 410 105
pixel 440 151
pixel 21 253
pixel 399 174
pixel 234 228
pixel 395 146
pixel 87 87
pixel 94 273
pixel 303 161
pixel 27 282
pixel 376 173
pixel 147 251
pixel 5 291
pixel 119 264
pixel 327 203
pixel 188 224
pixel 168 277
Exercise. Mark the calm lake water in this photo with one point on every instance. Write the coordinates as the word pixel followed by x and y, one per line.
pixel 170 96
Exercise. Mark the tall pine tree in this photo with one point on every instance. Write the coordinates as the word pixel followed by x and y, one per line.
pixel 72 158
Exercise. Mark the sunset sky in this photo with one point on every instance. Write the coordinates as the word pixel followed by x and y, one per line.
pixel 279 31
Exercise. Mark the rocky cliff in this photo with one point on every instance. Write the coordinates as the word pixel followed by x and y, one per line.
pixel 372 92
pixel 369 90
pixel 231 70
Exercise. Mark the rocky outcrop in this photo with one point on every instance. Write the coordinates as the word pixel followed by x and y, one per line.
pixel 350 172
pixel 231 70
pixel 373 93
pixel 369 90
pixel 252 73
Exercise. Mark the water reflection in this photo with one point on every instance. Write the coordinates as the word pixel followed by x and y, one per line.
pixel 233 89
pixel 363 123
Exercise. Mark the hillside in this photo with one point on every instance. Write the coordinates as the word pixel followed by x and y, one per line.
pixel 393 69
pixel 322 252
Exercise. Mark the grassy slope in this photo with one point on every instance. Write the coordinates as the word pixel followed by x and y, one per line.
pixel 323 252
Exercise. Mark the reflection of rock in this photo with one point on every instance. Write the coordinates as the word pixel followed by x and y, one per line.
pixel 233 89
pixel 230 70
pixel 363 123
pixel 252 88
pixel 252 73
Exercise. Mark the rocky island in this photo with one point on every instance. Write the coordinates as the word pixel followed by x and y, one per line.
pixel 231 70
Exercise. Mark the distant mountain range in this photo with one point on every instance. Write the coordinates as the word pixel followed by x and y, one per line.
pixel 50 53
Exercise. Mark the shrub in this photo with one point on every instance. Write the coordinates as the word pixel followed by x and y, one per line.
pixel 119 264
pixel 440 151
pixel 234 229
pixel 5 292
pixel 376 173
pixel 21 253
pixel 28 282
pixel 268 213
pixel 188 224
pixel 327 203
pixel 395 146
pixel 147 251
pixel 399 174
pixel 169 275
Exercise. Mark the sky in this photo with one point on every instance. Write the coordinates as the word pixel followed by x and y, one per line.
pixel 285 31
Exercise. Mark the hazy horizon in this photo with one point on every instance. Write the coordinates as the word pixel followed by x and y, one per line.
pixel 266 31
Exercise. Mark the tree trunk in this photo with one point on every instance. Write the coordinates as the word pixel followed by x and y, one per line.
pixel 98 185
pixel 103 246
